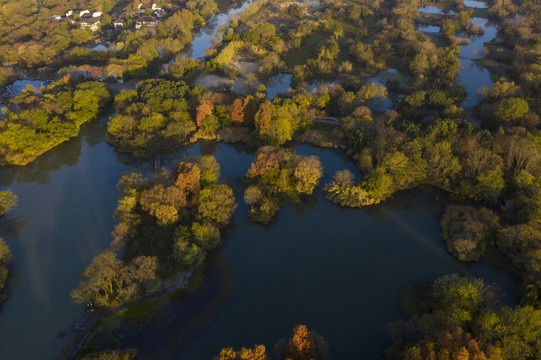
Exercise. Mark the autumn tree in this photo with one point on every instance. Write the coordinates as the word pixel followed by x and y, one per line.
pixel 237 112
pixel 188 181
pixel 301 345
pixel 257 353
pixel 163 203
pixel 202 111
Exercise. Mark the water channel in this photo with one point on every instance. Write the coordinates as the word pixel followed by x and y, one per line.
pixel 339 271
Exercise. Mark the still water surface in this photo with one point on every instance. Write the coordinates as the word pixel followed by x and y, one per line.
pixel 340 271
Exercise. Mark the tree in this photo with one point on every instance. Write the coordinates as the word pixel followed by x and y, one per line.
pixel 253 195
pixel 263 116
pixel 210 170
pixel 163 203
pixel 206 236
pixel 188 181
pixel 257 353
pixel 216 204
pixel 467 230
pixel 308 172
pixel 5 254
pixel 451 345
pixel 99 282
pixel 202 111
pixel 512 110
pixel 237 112
pixel 457 300
pixel 295 10
pixel 112 355
pixel 8 200
pixel 301 345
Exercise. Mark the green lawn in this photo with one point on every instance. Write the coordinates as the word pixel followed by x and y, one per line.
pixel 306 51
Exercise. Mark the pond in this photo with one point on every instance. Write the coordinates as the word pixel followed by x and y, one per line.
pixel 475 4
pixel 281 84
pixel 429 29
pixel 391 101
pixel 435 10
pixel 17 87
pixel 339 271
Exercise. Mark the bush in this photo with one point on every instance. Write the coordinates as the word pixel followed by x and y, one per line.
pixel 467 230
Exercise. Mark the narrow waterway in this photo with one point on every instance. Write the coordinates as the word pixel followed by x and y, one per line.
pixel 203 37
pixel 472 75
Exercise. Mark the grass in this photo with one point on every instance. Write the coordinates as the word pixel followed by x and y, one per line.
pixel 306 51
pixel 287 197
pixel 349 30
pixel 139 311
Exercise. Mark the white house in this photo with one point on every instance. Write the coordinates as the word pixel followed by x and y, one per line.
pixel 69 13
pixel 97 14
pixel 148 21
pixel 82 12
pixel 91 23
pixel 118 24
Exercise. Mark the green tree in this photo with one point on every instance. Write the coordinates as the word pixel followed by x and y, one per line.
pixel 512 110
pixel 216 204
pixel 467 231
pixel 8 200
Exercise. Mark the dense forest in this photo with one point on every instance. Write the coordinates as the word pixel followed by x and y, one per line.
pixel 486 157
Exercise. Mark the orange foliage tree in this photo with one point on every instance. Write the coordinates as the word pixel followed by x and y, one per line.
pixel 202 111
pixel 188 181
pixel 237 112
pixel 302 345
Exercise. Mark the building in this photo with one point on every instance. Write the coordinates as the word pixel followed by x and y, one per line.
pixel 148 21
pixel 142 8
pixel 97 14
pixel 118 24
pixel 159 13
pixel 84 12
pixel 92 23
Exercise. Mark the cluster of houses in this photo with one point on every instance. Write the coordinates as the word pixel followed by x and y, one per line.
pixel 141 20
pixel 92 20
